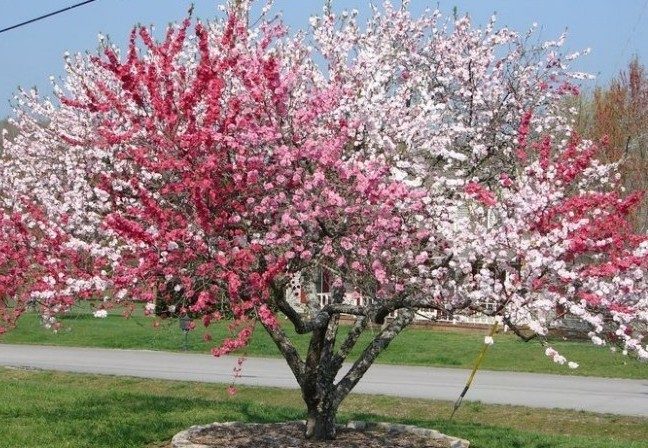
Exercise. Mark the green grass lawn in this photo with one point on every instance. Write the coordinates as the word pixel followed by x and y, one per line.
pixel 416 346
pixel 56 410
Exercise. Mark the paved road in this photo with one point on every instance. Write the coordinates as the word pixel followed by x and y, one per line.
pixel 626 397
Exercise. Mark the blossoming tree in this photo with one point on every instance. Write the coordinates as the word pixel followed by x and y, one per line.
pixel 422 168
pixel 14 263
pixel 30 260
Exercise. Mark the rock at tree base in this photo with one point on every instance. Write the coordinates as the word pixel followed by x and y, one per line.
pixel 291 435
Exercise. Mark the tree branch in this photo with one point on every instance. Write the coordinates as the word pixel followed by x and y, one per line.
pixel 301 325
pixel 332 329
pixel 350 341
pixel 371 352
pixel 288 351
pixel 518 331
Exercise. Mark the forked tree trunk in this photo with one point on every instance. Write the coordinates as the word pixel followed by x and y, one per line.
pixel 316 373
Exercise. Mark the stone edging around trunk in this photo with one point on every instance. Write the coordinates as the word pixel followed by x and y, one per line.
pixel 183 439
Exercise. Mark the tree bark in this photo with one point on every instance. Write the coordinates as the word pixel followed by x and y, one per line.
pixel 370 353
pixel 320 422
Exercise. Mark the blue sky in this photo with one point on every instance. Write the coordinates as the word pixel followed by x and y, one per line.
pixel 614 30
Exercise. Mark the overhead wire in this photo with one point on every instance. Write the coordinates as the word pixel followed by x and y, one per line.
pixel 44 16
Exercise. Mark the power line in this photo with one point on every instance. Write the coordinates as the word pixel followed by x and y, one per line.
pixel 45 16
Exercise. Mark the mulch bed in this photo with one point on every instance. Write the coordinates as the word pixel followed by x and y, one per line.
pixel 291 435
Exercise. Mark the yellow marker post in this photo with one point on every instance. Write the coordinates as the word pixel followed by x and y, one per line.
pixel 478 362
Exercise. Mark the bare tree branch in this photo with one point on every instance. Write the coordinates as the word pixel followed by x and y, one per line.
pixel 518 331
pixel 350 341
pixel 288 351
pixel 371 352
pixel 301 325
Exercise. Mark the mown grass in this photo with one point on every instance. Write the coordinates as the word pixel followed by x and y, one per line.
pixel 49 409
pixel 416 346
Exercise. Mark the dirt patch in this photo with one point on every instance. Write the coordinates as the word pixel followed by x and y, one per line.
pixel 291 435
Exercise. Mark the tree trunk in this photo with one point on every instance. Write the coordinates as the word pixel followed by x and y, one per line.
pixel 320 423
pixel 318 388
pixel 316 374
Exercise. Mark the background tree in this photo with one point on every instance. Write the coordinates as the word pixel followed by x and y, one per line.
pixel 30 261
pixel 619 113
pixel 15 261
pixel 622 115
pixel 208 169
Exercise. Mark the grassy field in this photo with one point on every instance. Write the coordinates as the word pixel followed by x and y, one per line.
pixel 56 410
pixel 416 346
